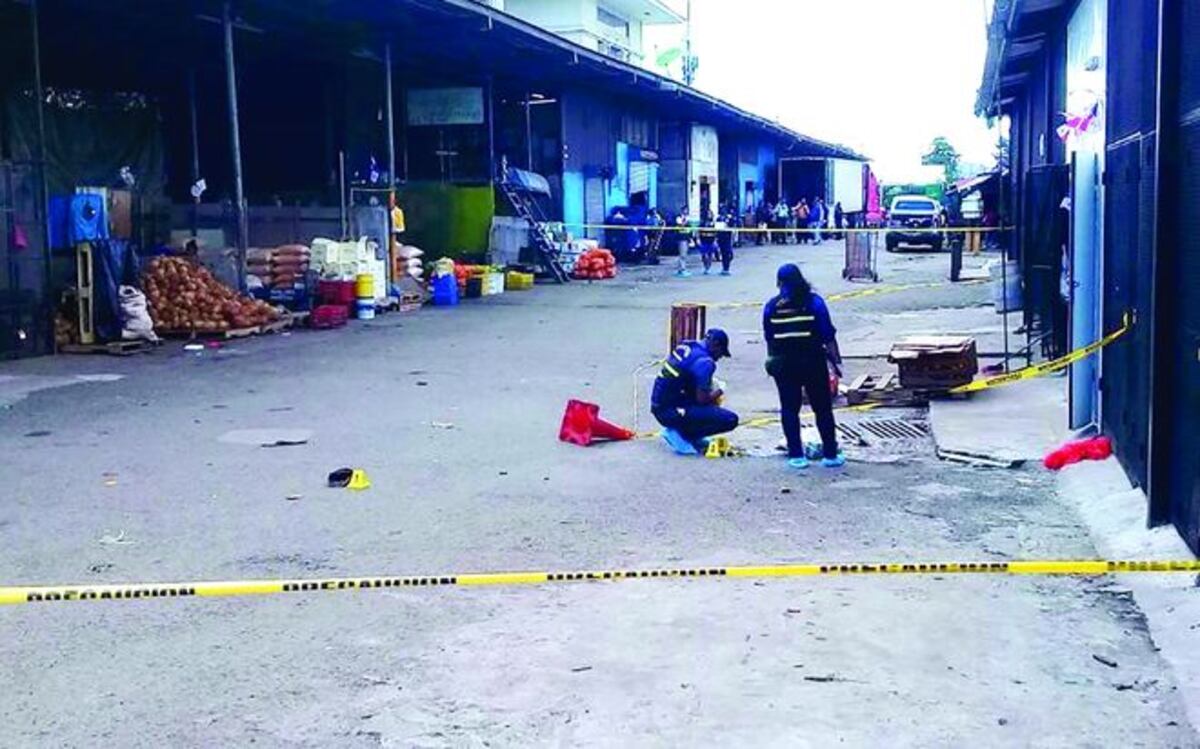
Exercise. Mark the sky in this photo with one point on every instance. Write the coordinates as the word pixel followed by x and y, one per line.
pixel 881 76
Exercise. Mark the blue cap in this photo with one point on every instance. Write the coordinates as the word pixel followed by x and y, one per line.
pixel 718 337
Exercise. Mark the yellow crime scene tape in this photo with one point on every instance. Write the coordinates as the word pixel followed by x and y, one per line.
pixel 1045 368
pixel 138 591
pixel 693 228
pixel 846 295
pixel 856 294
pixel 1027 373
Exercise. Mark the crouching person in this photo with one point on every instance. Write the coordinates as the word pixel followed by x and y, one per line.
pixel 687 397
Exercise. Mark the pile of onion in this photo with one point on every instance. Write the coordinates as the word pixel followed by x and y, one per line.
pixel 183 295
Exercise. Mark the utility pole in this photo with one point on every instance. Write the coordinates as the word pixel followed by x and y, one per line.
pixel 239 196
pixel 689 61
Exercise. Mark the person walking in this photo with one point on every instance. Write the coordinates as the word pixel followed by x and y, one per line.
pixel 801 349
pixel 839 218
pixel 783 216
pixel 725 241
pixel 654 238
pixel 802 214
pixel 816 219
pixel 708 235
pixel 683 241
pixel 762 220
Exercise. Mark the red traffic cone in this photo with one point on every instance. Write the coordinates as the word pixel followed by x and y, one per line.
pixel 582 425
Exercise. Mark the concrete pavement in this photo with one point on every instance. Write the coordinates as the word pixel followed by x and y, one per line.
pixel 453 413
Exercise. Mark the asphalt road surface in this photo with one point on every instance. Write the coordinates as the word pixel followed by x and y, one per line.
pixel 453 413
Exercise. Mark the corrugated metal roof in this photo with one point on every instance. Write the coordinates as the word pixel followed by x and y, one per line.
pixel 657 86
pixel 1017 30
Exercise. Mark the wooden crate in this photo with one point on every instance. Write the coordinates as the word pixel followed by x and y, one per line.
pixel 935 362
pixel 688 323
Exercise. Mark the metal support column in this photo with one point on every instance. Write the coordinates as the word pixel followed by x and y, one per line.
pixel 1163 407
pixel 528 134
pixel 490 93
pixel 43 183
pixel 239 197
pixel 391 154
pixel 389 113
pixel 193 120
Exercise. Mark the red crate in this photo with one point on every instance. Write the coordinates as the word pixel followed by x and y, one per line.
pixel 336 292
pixel 329 316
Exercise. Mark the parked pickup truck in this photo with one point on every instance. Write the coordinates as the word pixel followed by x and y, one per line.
pixel 911 221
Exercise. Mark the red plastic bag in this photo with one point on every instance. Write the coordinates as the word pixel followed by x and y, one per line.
pixel 1095 448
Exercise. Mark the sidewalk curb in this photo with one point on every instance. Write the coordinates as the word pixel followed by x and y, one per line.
pixel 1114 513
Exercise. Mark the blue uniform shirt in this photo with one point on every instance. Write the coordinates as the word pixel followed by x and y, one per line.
pixel 790 330
pixel 689 368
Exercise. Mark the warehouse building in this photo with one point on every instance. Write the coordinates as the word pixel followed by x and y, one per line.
pixel 258 122
pixel 1104 102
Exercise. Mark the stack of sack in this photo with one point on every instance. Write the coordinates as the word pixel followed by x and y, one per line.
pixel 596 265
pixel 281 267
pixel 409 263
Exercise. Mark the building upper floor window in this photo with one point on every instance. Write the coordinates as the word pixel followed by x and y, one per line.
pixel 612 25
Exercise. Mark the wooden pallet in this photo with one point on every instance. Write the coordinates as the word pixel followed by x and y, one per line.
pixel 886 390
pixel 410 302
pixel 882 389
pixel 287 322
pixel 191 335
pixel 116 348
pixel 283 323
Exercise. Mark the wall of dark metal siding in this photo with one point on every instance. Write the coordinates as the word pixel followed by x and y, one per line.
pixel 588 123
pixel 1129 229
pixel 1175 488
pixel 674 147
pixel 1058 91
pixel 1042 193
pixel 1040 110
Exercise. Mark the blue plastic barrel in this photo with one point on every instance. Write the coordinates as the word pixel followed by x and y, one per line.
pixel 445 290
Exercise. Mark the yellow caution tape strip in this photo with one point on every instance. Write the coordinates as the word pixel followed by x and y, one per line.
pixel 690 228
pixel 1028 373
pixel 856 294
pixel 764 421
pixel 138 591
pixel 1045 368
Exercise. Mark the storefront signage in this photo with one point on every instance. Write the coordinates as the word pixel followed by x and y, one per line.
pixel 445 106
pixel 704 144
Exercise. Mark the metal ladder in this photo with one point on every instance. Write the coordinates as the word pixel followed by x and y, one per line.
pixel 543 241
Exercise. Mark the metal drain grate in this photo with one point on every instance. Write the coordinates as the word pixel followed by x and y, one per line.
pixel 863 432
pixel 851 436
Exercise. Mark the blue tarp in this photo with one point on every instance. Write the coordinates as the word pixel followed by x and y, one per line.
pixel 527 181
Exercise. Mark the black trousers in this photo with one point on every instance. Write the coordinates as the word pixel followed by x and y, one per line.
pixel 696 422
pixel 726 250
pixel 794 382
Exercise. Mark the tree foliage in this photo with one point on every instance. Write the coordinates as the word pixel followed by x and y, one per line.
pixel 942 153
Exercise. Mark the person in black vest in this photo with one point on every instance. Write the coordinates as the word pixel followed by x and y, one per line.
pixel 801 347
pixel 725 227
pixel 708 242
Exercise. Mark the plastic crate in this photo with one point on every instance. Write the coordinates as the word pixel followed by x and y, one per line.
pixel 515 281
pixel 336 292
pixel 493 283
pixel 329 316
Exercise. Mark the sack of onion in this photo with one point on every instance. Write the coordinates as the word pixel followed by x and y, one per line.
pixel 183 295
